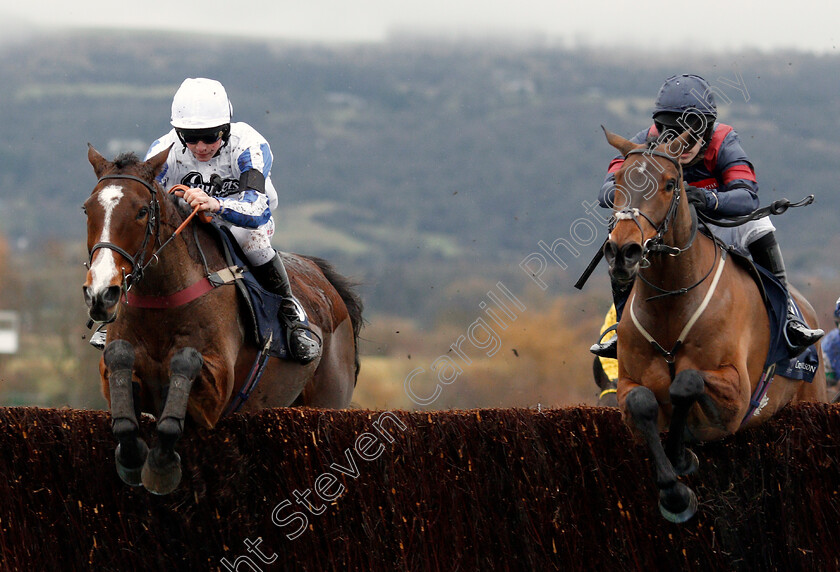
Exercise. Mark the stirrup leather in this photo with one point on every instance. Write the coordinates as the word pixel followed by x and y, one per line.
pixel 292 310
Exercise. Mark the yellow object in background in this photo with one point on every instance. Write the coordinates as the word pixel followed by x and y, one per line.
pixel 609 365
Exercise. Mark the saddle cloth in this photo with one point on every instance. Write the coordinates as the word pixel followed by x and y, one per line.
pixel 802 367
pixel 261 307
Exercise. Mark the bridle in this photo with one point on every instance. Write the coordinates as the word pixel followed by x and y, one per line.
pixel 656 244
pixel 138 265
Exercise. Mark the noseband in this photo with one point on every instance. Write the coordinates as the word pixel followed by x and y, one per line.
pixel 152 226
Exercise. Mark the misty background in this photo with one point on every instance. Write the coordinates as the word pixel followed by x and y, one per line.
pixel 427 166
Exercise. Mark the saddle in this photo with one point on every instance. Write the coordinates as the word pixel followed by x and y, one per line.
pixel 260 308
pixel 802 367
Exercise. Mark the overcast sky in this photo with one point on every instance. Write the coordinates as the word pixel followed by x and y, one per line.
pixel 808 25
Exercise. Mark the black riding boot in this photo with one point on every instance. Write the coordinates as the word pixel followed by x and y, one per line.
pixel 609 348
pixel 766 253
pixel 272 276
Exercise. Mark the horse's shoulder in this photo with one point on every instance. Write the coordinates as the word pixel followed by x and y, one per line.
pixel 744 267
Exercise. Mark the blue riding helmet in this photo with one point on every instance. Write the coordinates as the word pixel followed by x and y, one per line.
pixel 681 93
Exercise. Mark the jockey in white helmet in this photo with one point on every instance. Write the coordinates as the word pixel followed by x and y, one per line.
pixel 227 168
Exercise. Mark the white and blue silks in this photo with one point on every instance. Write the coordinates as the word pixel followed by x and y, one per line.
pixel 246 212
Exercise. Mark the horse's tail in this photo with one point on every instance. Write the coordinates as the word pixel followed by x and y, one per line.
pixel 346 289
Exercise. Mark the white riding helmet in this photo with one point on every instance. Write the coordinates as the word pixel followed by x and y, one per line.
pixel 200 103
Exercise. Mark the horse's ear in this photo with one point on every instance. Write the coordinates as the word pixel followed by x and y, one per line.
pixel 623 145
pixel 156 163
pixel 99 163
pixel 676 147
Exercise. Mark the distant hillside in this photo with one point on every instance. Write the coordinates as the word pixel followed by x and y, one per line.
pixel 419 152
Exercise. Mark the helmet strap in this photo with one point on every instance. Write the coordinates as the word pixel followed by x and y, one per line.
pixel 183 143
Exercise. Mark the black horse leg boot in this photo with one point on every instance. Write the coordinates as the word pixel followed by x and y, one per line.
pixel 272 276
pixel 766 252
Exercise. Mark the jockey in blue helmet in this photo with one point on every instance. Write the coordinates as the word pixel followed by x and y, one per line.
pixel 720 181
pixel 831 349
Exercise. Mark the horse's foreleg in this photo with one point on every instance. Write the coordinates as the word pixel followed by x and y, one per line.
pixel 677 502
pixel 162 471
pixel 131 449
pixel 686 389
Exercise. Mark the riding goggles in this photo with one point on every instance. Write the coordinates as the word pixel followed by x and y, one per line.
pixel 206 136
pixel 678 129
pixel 677 123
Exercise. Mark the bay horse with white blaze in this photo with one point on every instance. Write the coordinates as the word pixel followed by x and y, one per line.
pixel 695 335
pixel 190 357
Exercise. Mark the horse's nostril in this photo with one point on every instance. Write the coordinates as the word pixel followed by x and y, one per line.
pixel 111 296
pixel 632 253
pixel 88 298
pixel 610 251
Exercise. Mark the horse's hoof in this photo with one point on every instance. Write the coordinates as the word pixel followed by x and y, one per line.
pixel 129 474
pixel 679 504
pixel 161 472
pixel 689 465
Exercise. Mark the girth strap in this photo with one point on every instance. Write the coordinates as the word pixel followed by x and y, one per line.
pixel 759 393
pixel 251 382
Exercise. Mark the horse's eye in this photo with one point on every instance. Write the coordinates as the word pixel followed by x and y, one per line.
pixel 142 212
pixel 670 186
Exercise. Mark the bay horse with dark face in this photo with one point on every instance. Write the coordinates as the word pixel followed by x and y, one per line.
pixel 191 358
pixel 690 360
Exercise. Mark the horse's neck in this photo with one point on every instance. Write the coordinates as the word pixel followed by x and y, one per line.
pixel 173 267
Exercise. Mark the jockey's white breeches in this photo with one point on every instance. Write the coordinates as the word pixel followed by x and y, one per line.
pixel 740 237
pixel 255 242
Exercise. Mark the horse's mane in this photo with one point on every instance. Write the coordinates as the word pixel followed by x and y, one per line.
pixel 130 162
pixel 345 288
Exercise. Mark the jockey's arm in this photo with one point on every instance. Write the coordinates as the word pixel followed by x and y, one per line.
pixel 738 198
pixel 829 351
pixel 830 374
pixel 606 196
pixel 248 208
pixel 738 194
pixel 251 206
